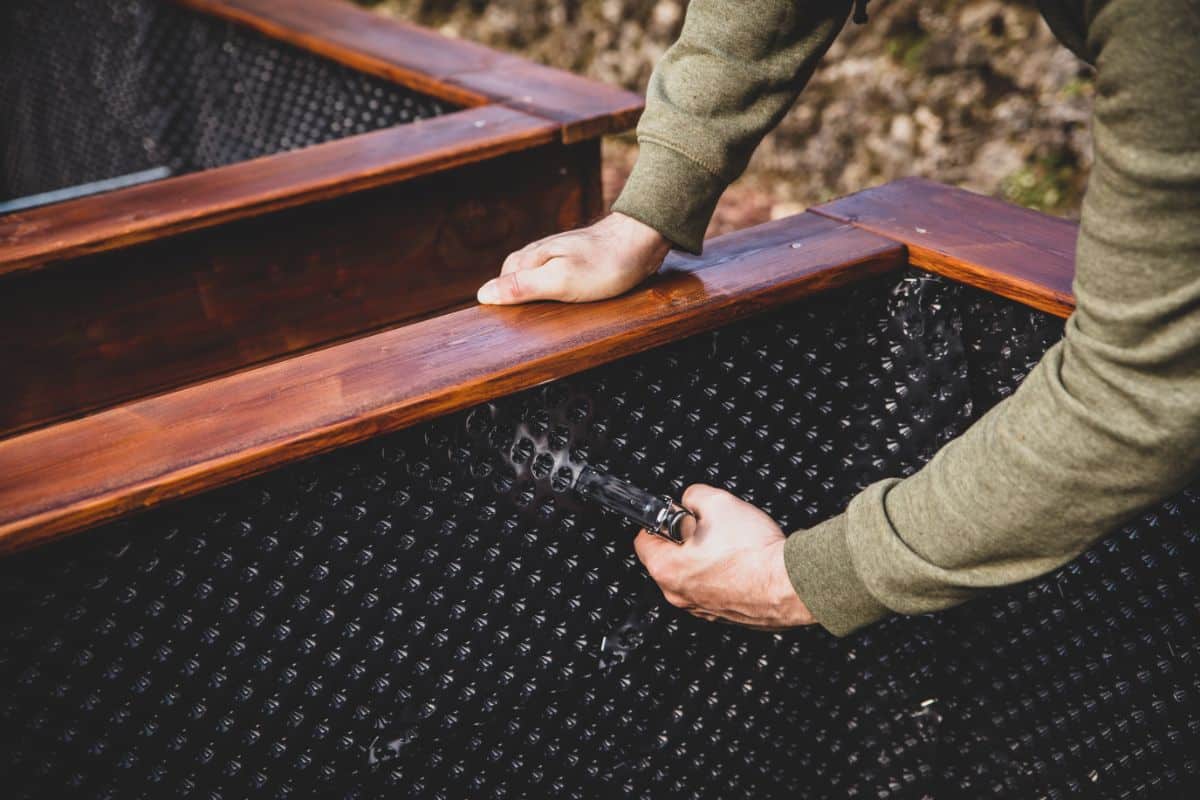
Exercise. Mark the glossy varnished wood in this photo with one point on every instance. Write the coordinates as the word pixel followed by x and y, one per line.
pixel 138 455
pixel 95 224
pixel 452 69
pixel 1005 249
pixel 585 109
pixel 126 324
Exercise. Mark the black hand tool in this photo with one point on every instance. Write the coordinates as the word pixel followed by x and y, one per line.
pixel 661 516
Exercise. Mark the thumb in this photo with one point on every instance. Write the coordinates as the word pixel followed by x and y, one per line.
pixel 550 281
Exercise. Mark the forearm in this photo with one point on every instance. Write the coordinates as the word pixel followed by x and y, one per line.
pixel 1108 423
pixel 1089 440
pixel 735 71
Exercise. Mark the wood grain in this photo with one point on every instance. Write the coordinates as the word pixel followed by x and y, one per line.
pixel 452 69
pixel 250 188
pixel 585 108
pixel 116 326
pixel 987 243
pixel 138 455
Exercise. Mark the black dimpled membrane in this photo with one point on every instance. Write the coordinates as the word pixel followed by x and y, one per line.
pixel 429 615
pixel 95 89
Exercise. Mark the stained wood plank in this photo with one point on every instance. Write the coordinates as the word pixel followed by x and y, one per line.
pixel 455 70
pixel 1012 251
pixel 250 188
pixel 586 108
pixel 79 473
pixel 117 326
pixel 366 41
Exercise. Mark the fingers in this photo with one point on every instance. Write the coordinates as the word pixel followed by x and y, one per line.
pixel 658 557
pixel 528 257
pixel 654 552
pixel 550 281
pixel 703 500
pixel 731 618
pixel 603 260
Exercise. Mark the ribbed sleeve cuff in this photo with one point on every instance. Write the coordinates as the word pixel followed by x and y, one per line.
pixel 672 194
pixel 823 574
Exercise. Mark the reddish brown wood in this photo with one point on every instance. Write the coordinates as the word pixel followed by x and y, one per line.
pixel 1011 251
pixel 78 473
pixel 127 324
pixel 586 109
pixel 458 71
pixel 103 222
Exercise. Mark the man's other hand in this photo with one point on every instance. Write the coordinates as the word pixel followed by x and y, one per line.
pixel 593 263
pixel 730 566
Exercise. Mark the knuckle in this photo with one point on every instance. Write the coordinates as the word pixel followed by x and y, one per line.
pixel 719 498
pixel 521 260
pixel 693 494
pixel 516 287
pixel 705 499
pixel 516 260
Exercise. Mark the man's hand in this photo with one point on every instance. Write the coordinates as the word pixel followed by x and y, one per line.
pixel 730 567
pixel 593 263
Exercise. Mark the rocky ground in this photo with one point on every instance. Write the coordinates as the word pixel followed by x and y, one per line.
pixel 976 93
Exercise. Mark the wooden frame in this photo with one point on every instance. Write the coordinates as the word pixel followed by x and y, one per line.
pixel 117 296
pixel 543 104
pixel 1007 250
pixel 143 453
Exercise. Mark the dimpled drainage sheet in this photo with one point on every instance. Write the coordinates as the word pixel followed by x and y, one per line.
pixel 414 617
pixel 95 89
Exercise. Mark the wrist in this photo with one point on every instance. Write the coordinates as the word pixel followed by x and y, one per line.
pixel 671 192
pixel 639 234
pixel 781 593
pixel 645 245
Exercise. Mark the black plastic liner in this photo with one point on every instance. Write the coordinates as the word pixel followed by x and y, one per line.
pixel 96 89
pixel 426 615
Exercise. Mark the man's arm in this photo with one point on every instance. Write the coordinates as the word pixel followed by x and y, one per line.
pixel 1109 422
pixel 734 72
pixel 729 79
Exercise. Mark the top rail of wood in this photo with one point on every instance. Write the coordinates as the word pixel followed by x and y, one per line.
pixel 1005 249
pixel 31 239
pixel 78 473
pixel 454 70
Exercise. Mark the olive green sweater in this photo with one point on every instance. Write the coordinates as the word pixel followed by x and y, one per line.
pixel 1106 425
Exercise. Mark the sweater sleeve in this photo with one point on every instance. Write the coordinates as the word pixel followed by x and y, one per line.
pixel 730 78
pixel 1108 423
